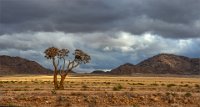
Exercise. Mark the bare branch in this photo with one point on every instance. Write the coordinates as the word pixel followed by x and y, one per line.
pixel 54 64
pixel 58 62
pixel 77 63
pixel 68 64
pixel 63 68
pixel 71 65
pixel 60 70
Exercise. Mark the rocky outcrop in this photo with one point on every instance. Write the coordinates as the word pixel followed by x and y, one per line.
pixel 17 65
pixel 162 64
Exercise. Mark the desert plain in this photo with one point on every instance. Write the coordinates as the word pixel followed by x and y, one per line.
pixel 86 90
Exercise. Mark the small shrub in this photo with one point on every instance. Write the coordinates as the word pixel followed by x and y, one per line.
pixel 134 84
pixel 197 86
pixel 37 89
pixel 171 93
pixel 187 94
pixel 171 85
pixel 42 82
pixel 162 84
pixel 76 94
pixel 174 94
pixel 117 88
pixel 140 84
pixel 137 84
pixel 5 81
pixel 186 85
pixel 12 81
pixel 20 82
pixel 154 84
pixel 108 83
pixel 11 105
pixel 135 105
pixel 17 89
pixel 131 89
pixel 84 86
pixel 25 82
pixel 1 86
pixel 167 93
pixel 53 92
pixel 26 87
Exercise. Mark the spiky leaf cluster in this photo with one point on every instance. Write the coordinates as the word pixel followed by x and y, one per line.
pixel 53 52
pixel 81 56
pixel 62 53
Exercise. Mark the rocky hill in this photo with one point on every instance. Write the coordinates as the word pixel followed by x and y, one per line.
pixel 162 64
pixel 17 65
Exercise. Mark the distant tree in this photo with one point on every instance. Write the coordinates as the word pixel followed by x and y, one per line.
pixel 58 55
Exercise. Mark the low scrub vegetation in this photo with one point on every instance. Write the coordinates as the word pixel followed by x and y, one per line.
pixel 117 88
pixel 171 85
pixel 154 84
pixel 187 94
pixel 98 91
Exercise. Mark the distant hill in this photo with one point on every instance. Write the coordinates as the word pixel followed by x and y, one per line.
pixel 98 72
pixel 162 64
pixel 17 65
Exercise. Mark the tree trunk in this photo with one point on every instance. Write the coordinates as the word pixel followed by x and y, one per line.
pixel 61 86
pixel 55 81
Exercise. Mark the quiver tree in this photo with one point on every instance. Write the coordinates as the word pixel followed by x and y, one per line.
pixel 61 67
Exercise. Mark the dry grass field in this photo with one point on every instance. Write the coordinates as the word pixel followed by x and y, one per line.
pixel 100 91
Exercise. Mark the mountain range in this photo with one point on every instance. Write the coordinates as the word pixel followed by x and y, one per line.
pixel 161 64
pixel 17 65
pixel 158 64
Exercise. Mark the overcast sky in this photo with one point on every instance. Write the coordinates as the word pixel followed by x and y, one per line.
pixel 113 32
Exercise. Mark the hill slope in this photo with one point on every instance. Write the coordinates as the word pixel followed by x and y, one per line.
pixel 162 64
pixel 17 65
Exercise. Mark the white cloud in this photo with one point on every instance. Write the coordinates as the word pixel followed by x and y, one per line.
pixel 107 49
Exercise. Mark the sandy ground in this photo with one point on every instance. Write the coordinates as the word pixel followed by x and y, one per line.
pixel 100 91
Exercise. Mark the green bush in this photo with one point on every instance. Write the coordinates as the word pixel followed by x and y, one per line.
pixel 197 85
pixel 37 89
pixel 117 88
pixel 163 84
pixel 84 86
pixel 137 84
pixel 154 84
pixel 187 94
pixel 140 84
pixel 171 85
pixel 53 91
pixel 186 85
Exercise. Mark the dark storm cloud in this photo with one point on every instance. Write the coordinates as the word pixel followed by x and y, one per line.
pixel 113 32
pixel 107 50
pixel 167 18
pixel 51 15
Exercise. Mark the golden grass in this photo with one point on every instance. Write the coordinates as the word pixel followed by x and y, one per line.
pixel 122 79
pixel 84 89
